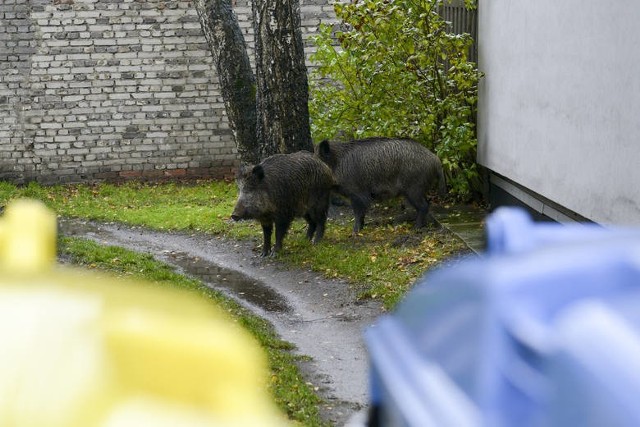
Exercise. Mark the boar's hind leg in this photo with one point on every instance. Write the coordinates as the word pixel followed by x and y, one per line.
pixel 312 225
pixel 317 218
pixel 267 229
pixel 421 204
pixel 319 221
pixel 319 231
pixel 359 207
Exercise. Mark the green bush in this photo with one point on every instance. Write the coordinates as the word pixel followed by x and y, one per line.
pixel 398 70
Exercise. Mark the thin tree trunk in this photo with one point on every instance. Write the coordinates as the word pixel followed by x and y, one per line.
pixel 281 75
pixel 237 82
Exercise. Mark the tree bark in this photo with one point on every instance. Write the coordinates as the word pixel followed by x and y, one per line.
pixel 237 82
pixel 281 76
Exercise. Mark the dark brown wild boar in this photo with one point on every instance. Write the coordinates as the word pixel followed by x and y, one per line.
pixel 281 188
pixel 381 168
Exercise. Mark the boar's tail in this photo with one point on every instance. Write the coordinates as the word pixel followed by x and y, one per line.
pixel 442 182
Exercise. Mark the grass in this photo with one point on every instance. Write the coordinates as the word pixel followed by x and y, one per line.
pixel 292 394
pixel 205 207
pixel 383 261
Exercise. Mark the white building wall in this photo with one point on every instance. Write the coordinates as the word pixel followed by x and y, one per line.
pixel 559 109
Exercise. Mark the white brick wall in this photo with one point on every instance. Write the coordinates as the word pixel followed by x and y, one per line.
pixel 114 89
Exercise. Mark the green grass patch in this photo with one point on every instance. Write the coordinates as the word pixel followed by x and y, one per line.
pixel 204 206
pixel 292 394
pixel 383 261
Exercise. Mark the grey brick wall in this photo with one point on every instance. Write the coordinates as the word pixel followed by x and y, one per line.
pixel 114 89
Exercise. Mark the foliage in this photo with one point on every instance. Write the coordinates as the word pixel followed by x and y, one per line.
pixel 399 71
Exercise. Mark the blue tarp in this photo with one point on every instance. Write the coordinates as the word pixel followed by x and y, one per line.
pixel 542 331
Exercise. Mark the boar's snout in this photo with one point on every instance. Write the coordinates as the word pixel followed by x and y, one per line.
pixel 239 212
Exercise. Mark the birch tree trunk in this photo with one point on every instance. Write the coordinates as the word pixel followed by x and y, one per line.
pixel 281 76
pixel 237 82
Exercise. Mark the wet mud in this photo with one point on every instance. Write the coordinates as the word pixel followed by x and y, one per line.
pixel 241 286
pixel 322 318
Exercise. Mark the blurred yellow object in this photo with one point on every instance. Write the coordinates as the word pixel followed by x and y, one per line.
pixel 27 236
pixel 82 350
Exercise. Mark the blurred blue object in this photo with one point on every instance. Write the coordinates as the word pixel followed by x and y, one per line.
pixel 543 331
pixel 511 230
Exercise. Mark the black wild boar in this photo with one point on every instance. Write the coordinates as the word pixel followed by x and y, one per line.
pixel 380 168
pixel 281 188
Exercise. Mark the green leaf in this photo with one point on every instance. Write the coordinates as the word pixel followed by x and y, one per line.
pixel 398 71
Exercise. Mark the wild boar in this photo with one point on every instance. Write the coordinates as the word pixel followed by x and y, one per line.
pixel 381 168
pixel 281 188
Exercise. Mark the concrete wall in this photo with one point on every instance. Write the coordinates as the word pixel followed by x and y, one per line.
pixel 559 110
pixel 114 89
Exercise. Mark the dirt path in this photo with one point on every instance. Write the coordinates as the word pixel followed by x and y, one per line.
pixel 321 317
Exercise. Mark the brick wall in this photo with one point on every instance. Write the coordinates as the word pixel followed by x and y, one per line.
pixel 114 89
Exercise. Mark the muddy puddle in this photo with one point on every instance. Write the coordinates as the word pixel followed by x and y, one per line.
pixel 232 282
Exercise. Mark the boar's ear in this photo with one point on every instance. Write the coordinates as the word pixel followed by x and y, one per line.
pixel 258 172
pixel 324 148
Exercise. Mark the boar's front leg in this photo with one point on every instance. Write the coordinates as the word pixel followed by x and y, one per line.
pixel 281 230
pixel 267 229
